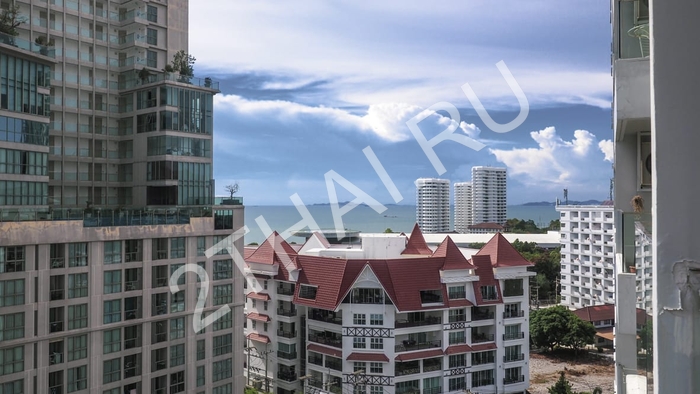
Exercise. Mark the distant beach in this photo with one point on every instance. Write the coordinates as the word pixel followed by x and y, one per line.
pixel 399 218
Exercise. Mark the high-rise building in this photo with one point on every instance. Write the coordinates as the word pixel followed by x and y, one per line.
pixel 433 205
pixel 488 195
pixel 106 190
pixel 463 206
pixel 587 255
pixel 388 315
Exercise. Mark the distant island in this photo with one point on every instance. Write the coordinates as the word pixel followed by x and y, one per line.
pixel 551 204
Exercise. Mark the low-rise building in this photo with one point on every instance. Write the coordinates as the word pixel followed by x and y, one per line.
pixel 603 319
pixel 389 315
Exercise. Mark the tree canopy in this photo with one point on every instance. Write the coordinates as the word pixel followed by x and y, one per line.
pixel 558 326
pixel 562 386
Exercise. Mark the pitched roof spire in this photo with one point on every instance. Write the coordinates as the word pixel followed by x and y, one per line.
pixel 454 259
pixel 416 243
pixel 502 253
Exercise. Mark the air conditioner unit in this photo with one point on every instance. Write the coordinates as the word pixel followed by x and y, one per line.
pixel 644 161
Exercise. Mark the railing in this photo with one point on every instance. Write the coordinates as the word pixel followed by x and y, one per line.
pixel 58 262
pixel 479 338
pixel 56 294
pixel 411 345
pixel 434 366
pixel 287 376
pixel 476 316
pixel 408 390
pixel 334 364
pixel 513 292
pixel 286 355
pixel 316 360
pixel 402 371
pixel 482 382
pixel 27 45
pixel 513 380
pixel 288 291
pixel 429 320
pixel 326 341
pixel 510 337
pixel 457 295
pixel 518 357
pixel 174 77
pixel 433 390
pixel 511 315
pixel 286 334
pixel 315 315
pixel 99 217
pixel 286 312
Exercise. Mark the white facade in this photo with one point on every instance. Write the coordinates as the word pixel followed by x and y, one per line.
pixel 433 205
pixel 587 255
pixel 463 206
pixel 488 195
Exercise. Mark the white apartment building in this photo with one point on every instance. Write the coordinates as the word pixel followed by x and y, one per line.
pixel 433 205
pixel 488 195
pixel 463 206
pixel 387 316
pixel 587 255
pixel 106 190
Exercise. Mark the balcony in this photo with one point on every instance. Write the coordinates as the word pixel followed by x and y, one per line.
pixel 287 355
pixel 410 345
pixel 432 364
pixel 285 290
pixel 478 337
pixel 407 368
pixel 326 316
pixel 316 359
pixel 286 312
pixel 27 45
pixel 513 314
pixel 512 359
pixel 286 334
pixel 514 379
pixel 482 314
pixel 433 390
pixel 511 337
pixel 407 390
pixel 287 376
pixel 326 340
pixel 411 322
pixel 334 363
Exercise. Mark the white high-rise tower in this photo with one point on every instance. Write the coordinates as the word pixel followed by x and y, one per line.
pixel 433 205
pixel 463 206
pixel 488 195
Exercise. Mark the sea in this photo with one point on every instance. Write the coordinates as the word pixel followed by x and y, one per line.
pixel 399 218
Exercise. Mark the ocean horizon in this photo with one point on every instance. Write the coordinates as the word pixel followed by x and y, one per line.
pixel 399 218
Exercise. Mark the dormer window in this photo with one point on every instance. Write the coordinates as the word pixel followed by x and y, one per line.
pixel 431 297
pixel 456 292
pixel 307 292
pixel 489 293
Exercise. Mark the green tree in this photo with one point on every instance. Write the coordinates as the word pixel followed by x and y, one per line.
pixel 554 225
pixel 183 63
pixel 10 19
pixel 548 326
pixel 476 245
pixel 562 386
pixel 544 285
pixel 388 230
pixel 579 334
pixel 646 338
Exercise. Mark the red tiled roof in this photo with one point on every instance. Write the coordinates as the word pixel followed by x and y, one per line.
pixel 454 259
pixel 258 317
pixel 502 253
pixel 258 296
pixel 275 250
pixel 416 243
pixel 486 278
pixel 483 346
pixel 376 357
pixel 419 355
pixel 606 312
pixel 247 251
pixel 327 274
pixel 488 226
pixel 258 338
pixel 456 349
pixel 460 303
pixel 325 350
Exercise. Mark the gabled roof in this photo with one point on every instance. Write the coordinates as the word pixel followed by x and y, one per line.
pixel 454 259
pixel 606 312
pixel 270 251
pixel 486 278
pixel 502 253
pixel 327 274
pixel 316 240
pixel 416 243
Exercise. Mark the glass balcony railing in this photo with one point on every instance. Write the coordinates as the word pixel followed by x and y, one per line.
pixel 99 217
pixel 27 45
pixel 632 29
pixel 174 77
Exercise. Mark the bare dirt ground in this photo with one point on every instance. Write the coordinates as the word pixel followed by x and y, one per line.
pixel 584 372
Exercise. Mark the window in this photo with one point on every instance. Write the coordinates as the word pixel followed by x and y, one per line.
pixel 181 278
pixel 489 293
pixel 177 328
pixel 458 360
pixel 112 282
pixel 56 319
pixel 513 353
pixel 159 304
pixel 307 292
pixel 113 252
pixel 483 357
pixel 225 389
pixel 376 390
pixel 77 316
pixel 56 287
pixel 159 359
pixel 200 376
pixel 223 218
pixel 359 366
pixel 177 355
pixel 458 384
pixel 133 250
pixel 482 378
pixel 11 326
pixel 376 343
pixel 457 337
pixel 358 343
pixel 159 385
pixel 112 341
pixel 513 287
pixel 77 379
pixel 132 366
pixel 55 382
pixel 77 347
pixel 12 292
pixel 177 382
pixel 160 249
pixel 358 319
pixel 222 369
pixel 132 336
pixel 512 310
pixel 223 269
pixel 177 301
pixel 78 254
pixel 457 315
pixel 376 368
pixel 11 259
pixel 201 349
pixel 366 296
pixel 201 246
pixel 456 292
pixel 223 294
pixel 513 375
pixel 111 371
pixel 177 248
pixel 203 265
pixel 159 275
pixel 132 279
pixel 225 321
pixel 376 319
pixel 77 285
pixel 112 312
pixel 223 344
pixel 14 387
pixel 152 13
pixel 152 36
pixel 11 360
pixel 513 331
pixel 222 242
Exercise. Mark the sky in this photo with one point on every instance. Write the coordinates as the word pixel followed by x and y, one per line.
pixel 307 86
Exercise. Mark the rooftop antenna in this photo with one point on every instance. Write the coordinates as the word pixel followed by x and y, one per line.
pixel 566 196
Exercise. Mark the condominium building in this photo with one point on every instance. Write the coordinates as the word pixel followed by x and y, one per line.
pixel 587 255
pixel 488 195
pixel 463 206
pixel 106 191
pixel 433 205
pixel 389 315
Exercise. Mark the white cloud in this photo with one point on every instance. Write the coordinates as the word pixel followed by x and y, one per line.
pixel 555 162
pixel 608 149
